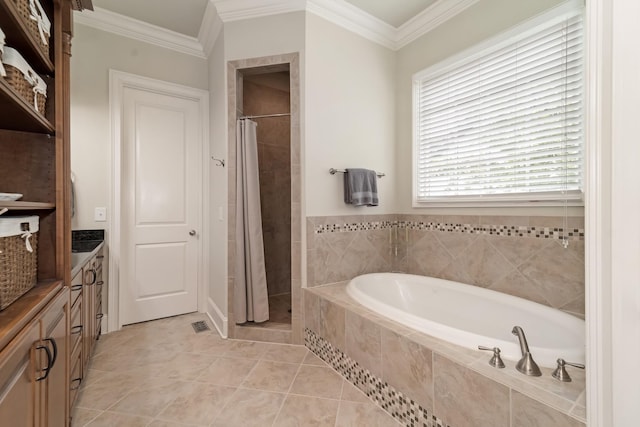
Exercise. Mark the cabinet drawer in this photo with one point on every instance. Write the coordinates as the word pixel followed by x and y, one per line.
pixel 75 379
pixel 76 288
pixel 76 324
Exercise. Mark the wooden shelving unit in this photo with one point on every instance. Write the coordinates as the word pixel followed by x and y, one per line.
pixel 26 206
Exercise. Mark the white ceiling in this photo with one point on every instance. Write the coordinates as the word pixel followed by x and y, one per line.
pixel 393 12
pixel 185 16
pixel 182 16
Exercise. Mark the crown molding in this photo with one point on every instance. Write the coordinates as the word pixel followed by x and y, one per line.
pixel 428 19
pixel 121 25
pixel 355 20
pixel 209 29
pixel 218 12
pixel 235 10
pixel 346 15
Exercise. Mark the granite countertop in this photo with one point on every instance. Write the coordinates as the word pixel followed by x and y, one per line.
pixel 84 245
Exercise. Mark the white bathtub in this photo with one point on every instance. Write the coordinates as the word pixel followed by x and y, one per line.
pixel 470 315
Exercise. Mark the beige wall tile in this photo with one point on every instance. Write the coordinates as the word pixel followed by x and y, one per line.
pixel 558 274
pixel 332 323
pixel 463 398
pixel 483 264
pixel 526 412
pixel 363 342
pixel 311 311
pixel 407 366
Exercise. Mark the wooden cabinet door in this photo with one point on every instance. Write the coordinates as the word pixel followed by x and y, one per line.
pixel 19 397
pixel 88 306
pixel 55 394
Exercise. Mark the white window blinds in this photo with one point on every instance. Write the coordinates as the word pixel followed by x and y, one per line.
pixel 506 124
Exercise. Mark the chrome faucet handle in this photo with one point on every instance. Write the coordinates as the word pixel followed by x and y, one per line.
pixel 496 360
pixel 561 373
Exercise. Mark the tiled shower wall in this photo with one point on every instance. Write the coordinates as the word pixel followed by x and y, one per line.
pixel 521 256
pixel 274 158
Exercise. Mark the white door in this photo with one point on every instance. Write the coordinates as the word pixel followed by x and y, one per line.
pixel 161 201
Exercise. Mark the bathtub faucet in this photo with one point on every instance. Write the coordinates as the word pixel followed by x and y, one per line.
pixel 526 365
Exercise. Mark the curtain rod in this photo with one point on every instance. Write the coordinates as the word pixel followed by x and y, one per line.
pixel 334 171
pixel 265 115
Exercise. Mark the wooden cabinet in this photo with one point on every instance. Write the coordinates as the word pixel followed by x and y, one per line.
pixel 34 147
pixel 34 370
pixel 86 315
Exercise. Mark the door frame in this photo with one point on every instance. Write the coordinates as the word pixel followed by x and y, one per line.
pixel 118 81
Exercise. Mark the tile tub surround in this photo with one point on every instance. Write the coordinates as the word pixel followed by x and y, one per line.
pixel 424 381
pixel 517 255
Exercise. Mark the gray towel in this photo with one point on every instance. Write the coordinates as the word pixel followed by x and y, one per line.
pixel 361 187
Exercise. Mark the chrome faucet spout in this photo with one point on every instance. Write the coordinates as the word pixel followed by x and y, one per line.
pixel 524 346
pixel 526 365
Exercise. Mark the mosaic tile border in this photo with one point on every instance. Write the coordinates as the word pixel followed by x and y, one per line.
pixel 493 230
pixel 403 409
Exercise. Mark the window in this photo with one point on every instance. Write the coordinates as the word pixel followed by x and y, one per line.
pixel 504 124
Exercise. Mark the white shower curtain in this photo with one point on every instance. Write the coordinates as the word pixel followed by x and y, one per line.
pixel 251 300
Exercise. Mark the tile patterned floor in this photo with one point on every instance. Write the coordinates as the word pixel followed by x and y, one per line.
pixel 162 373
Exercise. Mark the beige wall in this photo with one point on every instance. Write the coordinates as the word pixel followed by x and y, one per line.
pixel 218 182
pixel 350 98
pixel 482 21
pixel 94 53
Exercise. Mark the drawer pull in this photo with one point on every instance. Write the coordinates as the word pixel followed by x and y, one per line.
pixel 48 368
pixel 76 287
pixel 100 256
pixel 76 330
pixel 78 380
pixel 55 351
pixel 100 283
pixel 99 316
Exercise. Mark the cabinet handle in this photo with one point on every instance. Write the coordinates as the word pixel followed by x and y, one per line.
pixel 76 330
pixel 76 287
pixel 55 350
pixel 48 368
pixel 95 276
pixel 99 256
pixel 99 316
pixel 78 380
pixel 100 282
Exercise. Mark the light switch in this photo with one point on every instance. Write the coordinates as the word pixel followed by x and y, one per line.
pixel 220 214
pixel 100 214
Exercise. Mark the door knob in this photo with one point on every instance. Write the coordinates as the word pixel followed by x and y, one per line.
pixel 192 233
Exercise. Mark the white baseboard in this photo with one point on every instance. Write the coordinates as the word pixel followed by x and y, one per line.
pixel 219 320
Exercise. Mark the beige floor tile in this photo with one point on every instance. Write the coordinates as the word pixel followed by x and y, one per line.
pixel 150 401
pixel 161 423
pixel 107 392
pixel 81 416
pixel 307 411
pixel 271 376
pixel 184 366
pixel 227 371
pixel 317 381
pixel 285 353
pixel 248 408
pixel 199 404
pixel 312 359
pixel 352 393
pixel 353 414
pixel 112 419
pixel 246 349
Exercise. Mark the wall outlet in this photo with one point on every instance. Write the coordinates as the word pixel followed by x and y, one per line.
pixel 100 214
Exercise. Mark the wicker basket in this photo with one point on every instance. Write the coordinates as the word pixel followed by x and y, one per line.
pixel 24 80
pixel 35 25
pixel 18 265
pixel 2 39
